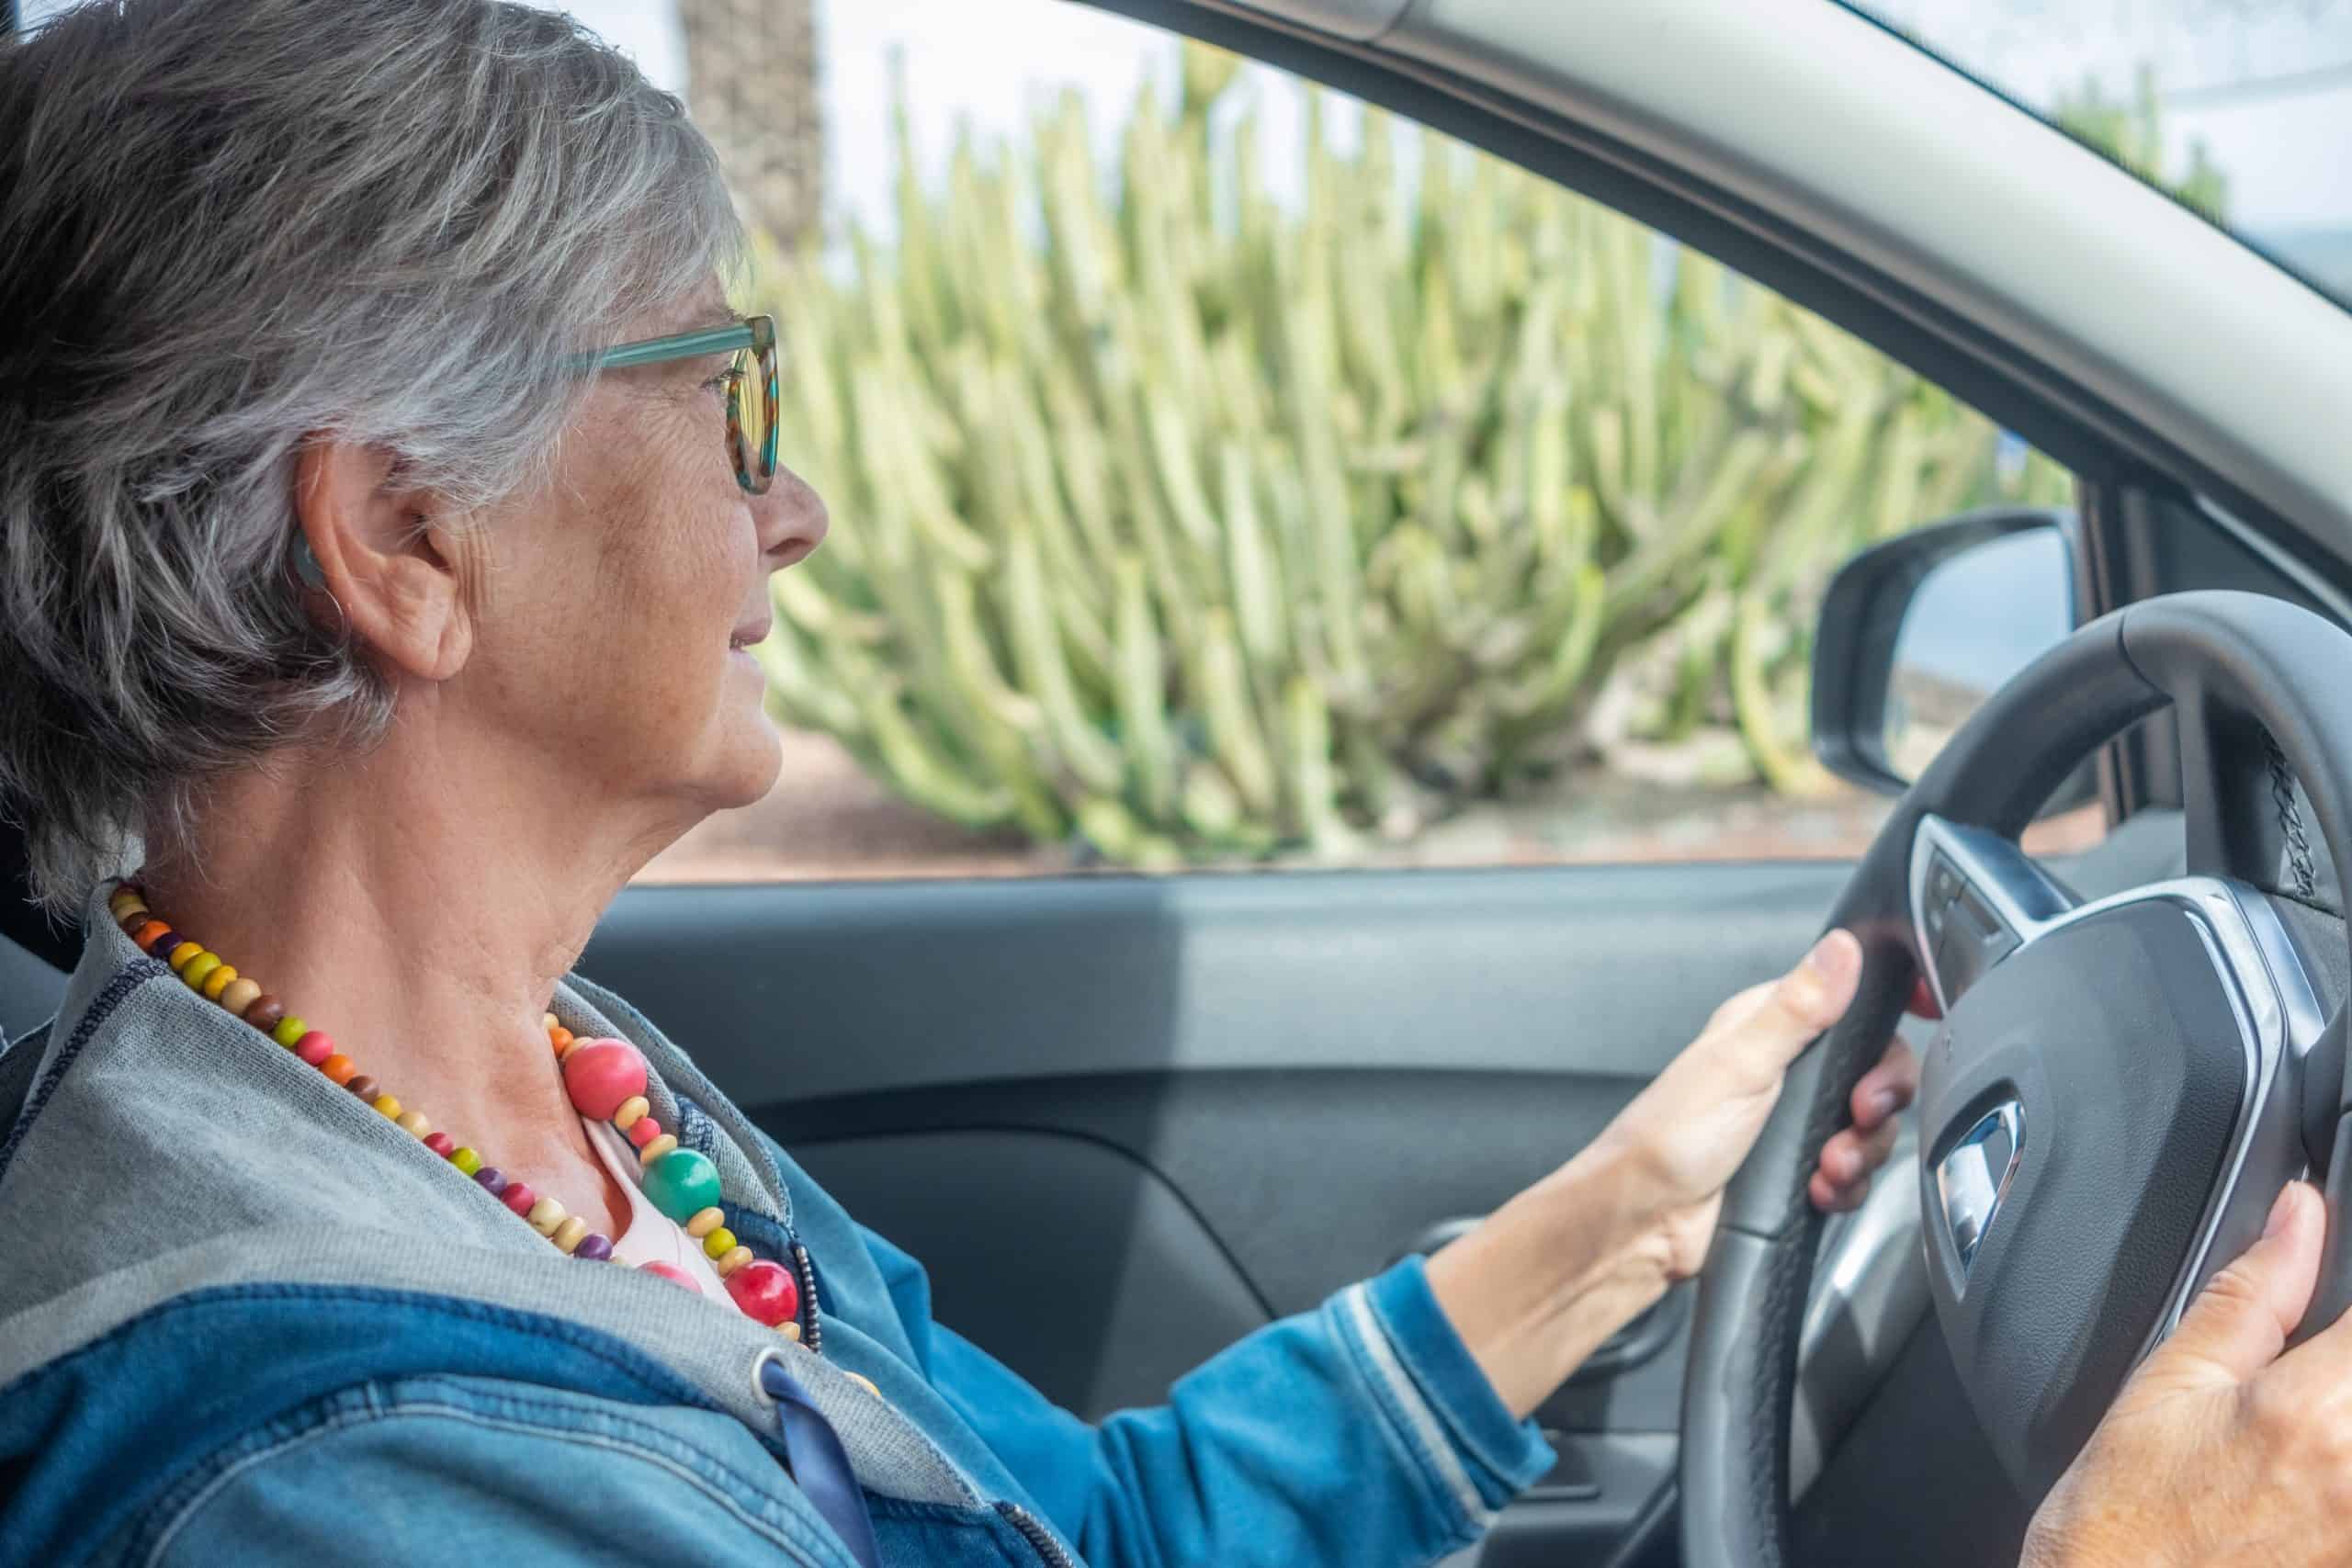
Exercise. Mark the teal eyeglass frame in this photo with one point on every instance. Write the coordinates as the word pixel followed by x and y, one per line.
pixel 753 340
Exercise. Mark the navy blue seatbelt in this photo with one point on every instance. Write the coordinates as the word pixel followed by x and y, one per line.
pixel 819 1464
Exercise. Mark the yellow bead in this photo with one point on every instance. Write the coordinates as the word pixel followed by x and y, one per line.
pixel 238 995
pixel 200 969
pixel 631 1109
pixel 545 1215
pixel 220 980
pixel 704 1222
pixel 864 1382
pixel 549 1022
pixel 570 1234
pixel 414 1123
pixel 182 955
pixel 125 905
pixel 718 1244
pixel 289 1030
pixel 464 1159
pixel 734 1261
pixel 655 1150
pixel 790 1329
pixel 388 1106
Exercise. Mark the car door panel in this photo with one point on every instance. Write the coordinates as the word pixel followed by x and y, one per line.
pixel 1125 1120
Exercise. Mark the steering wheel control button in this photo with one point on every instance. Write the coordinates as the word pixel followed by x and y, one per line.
pixel 1974 1178
pixel 1969 939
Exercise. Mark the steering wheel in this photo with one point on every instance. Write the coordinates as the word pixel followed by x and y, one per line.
pixel 2119 1087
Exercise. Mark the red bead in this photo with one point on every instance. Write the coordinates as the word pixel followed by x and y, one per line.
pixel 440 1143
pixel 643 1131
pixel 519 1197
pixel 601 1074
pixel 315 1047
pixel 673 1273
pixel 764 1291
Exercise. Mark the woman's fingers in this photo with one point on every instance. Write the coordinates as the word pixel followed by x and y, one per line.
pixel 2240 1321
pixel 1887 1087
pixel 1849 1160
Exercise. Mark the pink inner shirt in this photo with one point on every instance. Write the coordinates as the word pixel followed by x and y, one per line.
pixel 652 1236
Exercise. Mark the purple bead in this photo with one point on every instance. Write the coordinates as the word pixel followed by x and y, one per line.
pixel 592 1246
pixel 490 1176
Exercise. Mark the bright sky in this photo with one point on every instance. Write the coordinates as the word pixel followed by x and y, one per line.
pixel 988 60
pixel 2268 83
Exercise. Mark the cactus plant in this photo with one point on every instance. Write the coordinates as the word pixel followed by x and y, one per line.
pixel 1195 523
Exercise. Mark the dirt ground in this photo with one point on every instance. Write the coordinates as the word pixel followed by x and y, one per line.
pixel 827 820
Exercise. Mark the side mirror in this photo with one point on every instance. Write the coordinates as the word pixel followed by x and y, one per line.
pixel 1916 633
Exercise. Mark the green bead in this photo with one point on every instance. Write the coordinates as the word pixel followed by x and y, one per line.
pixel 464 1160
pixel 202 965
pixel 289 1030
pixel 681 1183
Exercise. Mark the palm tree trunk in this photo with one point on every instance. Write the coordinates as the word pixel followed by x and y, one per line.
pixel 752 85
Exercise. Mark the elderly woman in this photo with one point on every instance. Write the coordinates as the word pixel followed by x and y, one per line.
pixel 387 498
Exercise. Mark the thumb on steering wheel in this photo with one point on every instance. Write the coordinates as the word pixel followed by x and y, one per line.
pixel 2239 1323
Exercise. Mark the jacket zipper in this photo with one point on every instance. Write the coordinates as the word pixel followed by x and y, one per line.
pixel 812 1333
pixel 1036 1535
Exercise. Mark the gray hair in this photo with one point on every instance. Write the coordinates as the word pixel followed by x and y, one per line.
pixel 226 227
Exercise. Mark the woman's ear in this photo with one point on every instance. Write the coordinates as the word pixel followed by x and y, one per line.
pixel 402 590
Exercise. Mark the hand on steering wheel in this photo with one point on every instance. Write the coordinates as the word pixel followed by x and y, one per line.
pixel 1553 1272
pixel 2118 1088
pixel 1684 1137
pixel 2222 1452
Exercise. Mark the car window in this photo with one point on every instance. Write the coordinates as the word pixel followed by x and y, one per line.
pixel 2234 107
pixel 1225 474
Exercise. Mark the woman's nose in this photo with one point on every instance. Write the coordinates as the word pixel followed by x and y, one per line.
pixel 792 520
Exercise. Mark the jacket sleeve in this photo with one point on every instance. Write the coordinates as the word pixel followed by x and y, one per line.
pixel 1360 1434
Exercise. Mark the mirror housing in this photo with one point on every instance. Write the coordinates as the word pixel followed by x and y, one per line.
pixel 1861 627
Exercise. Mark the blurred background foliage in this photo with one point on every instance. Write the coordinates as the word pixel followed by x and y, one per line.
pixel 1195 525
pixel 2131 131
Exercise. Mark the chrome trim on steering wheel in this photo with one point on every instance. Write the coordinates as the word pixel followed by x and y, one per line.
pixel 2277 1013
pixel 1869 1292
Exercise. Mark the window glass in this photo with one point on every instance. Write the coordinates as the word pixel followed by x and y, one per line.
pixel 2238 107
pixel 1225 474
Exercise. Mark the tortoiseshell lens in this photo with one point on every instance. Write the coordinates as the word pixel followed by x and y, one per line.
pixel 753 395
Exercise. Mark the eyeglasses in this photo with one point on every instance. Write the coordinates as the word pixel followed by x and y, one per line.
pixel 753 395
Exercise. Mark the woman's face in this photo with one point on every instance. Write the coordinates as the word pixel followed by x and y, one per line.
pixel 620 597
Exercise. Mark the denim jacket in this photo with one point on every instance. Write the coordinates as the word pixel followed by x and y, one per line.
pixel 246 1318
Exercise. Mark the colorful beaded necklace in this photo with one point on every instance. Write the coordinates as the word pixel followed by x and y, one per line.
pixel 604 1078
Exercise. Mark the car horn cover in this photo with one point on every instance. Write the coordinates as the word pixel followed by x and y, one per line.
pixel 2074 1135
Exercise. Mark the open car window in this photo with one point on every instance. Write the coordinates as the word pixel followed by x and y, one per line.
pixel 1228 475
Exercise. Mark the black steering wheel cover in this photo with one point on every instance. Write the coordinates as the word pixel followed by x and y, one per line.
pixel 2226 660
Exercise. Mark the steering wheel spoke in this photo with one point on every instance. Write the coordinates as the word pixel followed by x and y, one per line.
pixel 2245 818
pixel 1976 898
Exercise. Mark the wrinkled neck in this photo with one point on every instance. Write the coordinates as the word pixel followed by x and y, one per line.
pixel 418 901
